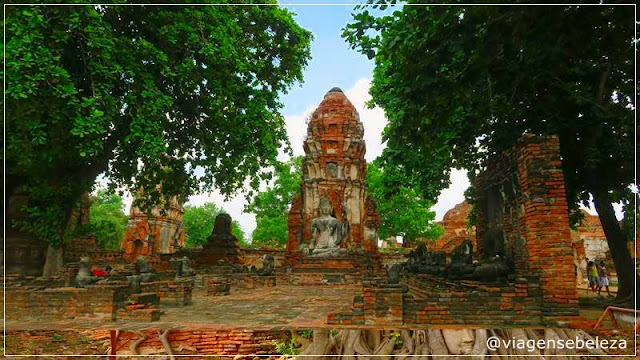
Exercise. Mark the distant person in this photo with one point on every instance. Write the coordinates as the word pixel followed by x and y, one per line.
pixel 592 272
pixel 586 261
pixel 603 278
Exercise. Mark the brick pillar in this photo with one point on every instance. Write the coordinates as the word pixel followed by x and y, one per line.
pixel 544 224
pixel 294 225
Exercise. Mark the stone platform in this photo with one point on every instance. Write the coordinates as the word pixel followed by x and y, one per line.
pixel 266 308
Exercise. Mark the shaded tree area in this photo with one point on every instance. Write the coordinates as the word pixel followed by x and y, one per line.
pixel 460 84
pixel 145 95
pixel 198 224
pixel 402 209
pixel 271 206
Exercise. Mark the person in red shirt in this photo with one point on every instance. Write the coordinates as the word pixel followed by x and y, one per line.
pixel 97 272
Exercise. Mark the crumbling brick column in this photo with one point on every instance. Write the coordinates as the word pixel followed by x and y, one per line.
pixel 545 224
pixel 521 192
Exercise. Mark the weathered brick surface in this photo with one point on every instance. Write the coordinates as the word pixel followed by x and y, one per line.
pixel 528 180
pixel 253 257
pixel 383 304
pixel 354 317
pixel 322 270
pixel 434 301
pixel 218 287
pixel 392 259
pixel 172 292
pixel 456 229
pixel 92 302
pixel 86 246
pixel 209 342
pixel 160 233
pixel 140 307
pixel 221 246
pixel 379 305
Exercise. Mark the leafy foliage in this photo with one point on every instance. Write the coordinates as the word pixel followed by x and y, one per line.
pixel 402 209
pixel 198 224
pixel 271 206
pixel 286 347
pixel 144 94
pixel 107 220
pixel 459 84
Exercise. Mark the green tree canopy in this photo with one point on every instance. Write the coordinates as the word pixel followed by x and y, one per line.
pixel 198 224
pixel 459 84
pixel 402 208
pixel 107 220
pixel 271 206
pixel 146 95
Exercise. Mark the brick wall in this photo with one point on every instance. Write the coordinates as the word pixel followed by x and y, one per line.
pixel 392 259
pixel 92 302
pixel 174 292
pixel 254 257
pixel 430 300
pixel 433 301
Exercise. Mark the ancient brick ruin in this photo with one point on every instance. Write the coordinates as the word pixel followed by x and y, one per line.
pixel 522 195
pixel 334 167
pixel 332 221
pixel 523 238
pixel 456 229
pixel 222 245
pixel 516 268
pixel 588 240
pixel 154 234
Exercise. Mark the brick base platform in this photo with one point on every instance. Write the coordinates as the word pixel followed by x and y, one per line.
pixel 94 302
pixel 331 270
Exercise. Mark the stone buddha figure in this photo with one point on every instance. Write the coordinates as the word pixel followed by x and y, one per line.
pixel 327 232
pixel 465 341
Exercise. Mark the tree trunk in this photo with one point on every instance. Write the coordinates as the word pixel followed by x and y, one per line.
pixel 356 344
pixel 54 262
pixel 616 240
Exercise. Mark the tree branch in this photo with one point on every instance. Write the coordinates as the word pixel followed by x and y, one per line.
pixel 603 82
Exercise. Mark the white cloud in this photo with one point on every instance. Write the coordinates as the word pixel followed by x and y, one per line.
pixel 452 195
pixel 373 120
pixel 297 130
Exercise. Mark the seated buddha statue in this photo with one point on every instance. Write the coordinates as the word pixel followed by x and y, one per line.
pixel 327 232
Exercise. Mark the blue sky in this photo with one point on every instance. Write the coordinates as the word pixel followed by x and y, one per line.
pixel 332 63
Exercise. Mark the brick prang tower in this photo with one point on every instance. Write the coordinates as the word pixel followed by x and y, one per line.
pixel 334 166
